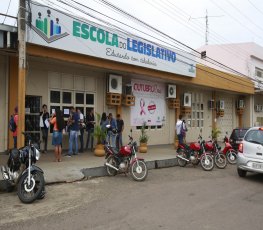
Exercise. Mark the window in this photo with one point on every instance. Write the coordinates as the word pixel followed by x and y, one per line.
pixel 197 118
pixel 54 96
pixel 259 72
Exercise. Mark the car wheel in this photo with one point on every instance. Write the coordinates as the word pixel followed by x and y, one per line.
pixel 241 173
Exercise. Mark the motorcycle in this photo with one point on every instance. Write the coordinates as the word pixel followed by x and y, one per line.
pixel 21 172
pixel 194 154
pixel 229 152
pixel 219 158
pixel 125 160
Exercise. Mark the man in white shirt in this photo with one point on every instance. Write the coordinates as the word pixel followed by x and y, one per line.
pixel 180 126
pixel 81 123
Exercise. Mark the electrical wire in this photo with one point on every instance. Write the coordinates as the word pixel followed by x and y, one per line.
pixel 207 71
pixel 236 20
pixel 255 7
pixel 7 11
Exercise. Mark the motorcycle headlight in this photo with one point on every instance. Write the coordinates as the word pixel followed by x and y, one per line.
pixel 37 154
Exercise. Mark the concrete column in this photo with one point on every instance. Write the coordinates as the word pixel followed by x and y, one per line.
pixel 21 72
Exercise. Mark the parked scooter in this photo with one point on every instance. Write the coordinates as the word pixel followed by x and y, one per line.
pixel 194 154
pixel 21 172
pixel 125 160
pixel 230 153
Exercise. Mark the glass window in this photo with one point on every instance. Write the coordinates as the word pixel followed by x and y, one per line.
pixel 79 98
pixel 54 96
pixel 90 99
pixel 66 98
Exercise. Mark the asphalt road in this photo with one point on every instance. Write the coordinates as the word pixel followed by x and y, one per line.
pixel 173 198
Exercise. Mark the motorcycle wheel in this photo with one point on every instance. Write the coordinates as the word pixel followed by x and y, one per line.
pixel 220 161
pixel 181 162
pixel 231 157
pixel 34 191
pixel 139 170
pixel 207 162
pixel 112 161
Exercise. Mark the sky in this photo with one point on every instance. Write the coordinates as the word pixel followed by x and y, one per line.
pixel 229 21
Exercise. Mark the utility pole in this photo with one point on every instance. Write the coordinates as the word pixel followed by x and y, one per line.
pixel 206 25
pixel 21 72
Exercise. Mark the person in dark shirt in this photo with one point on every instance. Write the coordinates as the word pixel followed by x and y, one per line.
pixel 120 128
pixel 44 125
pixel 74 130
pixel 90 120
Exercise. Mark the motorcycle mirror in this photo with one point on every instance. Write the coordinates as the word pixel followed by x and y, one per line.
pixel 131 130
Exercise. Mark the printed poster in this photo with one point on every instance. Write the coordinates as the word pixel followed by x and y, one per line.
pixel 149 103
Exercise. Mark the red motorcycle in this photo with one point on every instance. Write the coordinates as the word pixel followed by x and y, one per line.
pixel 219 158
pixel 194 154
pixel 230 153
pixel 125 160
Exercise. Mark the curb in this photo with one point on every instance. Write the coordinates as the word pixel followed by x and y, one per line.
pixel 155 164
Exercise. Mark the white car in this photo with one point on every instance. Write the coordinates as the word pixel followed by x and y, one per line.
pixel 250 152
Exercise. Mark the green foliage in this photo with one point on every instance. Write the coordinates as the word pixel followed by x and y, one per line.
pixel 99 134
pixel 143 137
pixel 215 133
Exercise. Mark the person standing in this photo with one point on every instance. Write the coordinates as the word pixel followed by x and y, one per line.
pixel 81 127
pixel 112 130
pixel 58 121
pixel 15 115
pixel 90 129
pixel 120 128
pixel 44 125
pixel 180 127
pixel 73 137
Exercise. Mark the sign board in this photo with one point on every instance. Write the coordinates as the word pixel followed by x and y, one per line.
pixel 149 103
pixel 56 29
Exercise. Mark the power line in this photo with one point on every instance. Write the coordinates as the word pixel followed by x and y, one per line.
pixel 244 15
pixel 150 41
pixel 255 7
pixel 7 11
pixel 236 20
pixel 141 22
pixel 229 50
pixel 186 62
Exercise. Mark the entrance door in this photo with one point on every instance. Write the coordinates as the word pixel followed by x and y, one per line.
pixel 33 108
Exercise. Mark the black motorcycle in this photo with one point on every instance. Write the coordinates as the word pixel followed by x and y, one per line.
pixel 21 172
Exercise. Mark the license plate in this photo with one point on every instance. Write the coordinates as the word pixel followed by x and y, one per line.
pixel 257 166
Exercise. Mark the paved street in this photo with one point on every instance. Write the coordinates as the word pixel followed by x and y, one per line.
pixel 172 198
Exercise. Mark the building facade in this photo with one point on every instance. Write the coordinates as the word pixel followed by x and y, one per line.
pixel 246 59
pixel 82 64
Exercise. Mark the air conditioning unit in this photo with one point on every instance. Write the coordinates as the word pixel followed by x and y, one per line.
pixel 171 91
pixel 211 104
pixel 187 100
pixel 127 90
pixel 240 104
pixel 114 84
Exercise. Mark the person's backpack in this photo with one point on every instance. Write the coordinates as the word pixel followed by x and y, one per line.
pixel 12 124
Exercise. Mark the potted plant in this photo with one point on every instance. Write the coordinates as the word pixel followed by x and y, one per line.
pixel 100 135
pixel 143 139
pixel 215 133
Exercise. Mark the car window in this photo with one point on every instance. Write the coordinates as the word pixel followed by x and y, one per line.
pixel 238 133
pixel 254 136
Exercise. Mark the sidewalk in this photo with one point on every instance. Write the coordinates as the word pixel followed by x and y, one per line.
pixel 87 165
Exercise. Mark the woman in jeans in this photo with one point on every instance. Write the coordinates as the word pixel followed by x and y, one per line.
pixel 58 121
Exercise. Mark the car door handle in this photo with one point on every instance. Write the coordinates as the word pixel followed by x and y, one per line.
pixel 260 154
